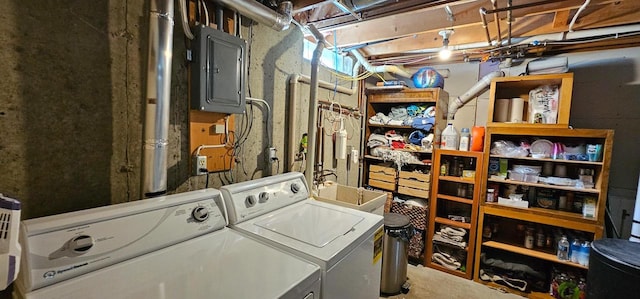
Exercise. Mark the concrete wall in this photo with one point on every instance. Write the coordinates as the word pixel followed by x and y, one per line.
pixel 605 96
pixel 71 108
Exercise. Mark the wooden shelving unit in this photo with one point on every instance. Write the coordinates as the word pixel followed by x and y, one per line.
pixel 550 218
pixel 442 195
pixel 520 86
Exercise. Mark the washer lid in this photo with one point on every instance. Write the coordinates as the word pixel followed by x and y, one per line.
pixel 222 264
pixel 314 225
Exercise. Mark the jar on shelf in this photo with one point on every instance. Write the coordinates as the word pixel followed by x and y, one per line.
pixel 529 238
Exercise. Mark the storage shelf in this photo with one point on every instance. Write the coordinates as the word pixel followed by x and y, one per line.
pixel 532 295
pixel 548 160
pixel 548 186
pixel 380 159
pixel 435 265
pixel 389 126
pixel 453 223
pixel 530 252
pixel 543 216
pixel 456 199
pixel 458 179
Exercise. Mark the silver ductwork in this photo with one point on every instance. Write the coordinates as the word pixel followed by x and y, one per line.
pixel 362 4
pixel 252 9
pixel 393 69
pixel 157 98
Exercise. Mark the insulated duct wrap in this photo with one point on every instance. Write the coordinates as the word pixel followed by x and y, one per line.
pixel 158 95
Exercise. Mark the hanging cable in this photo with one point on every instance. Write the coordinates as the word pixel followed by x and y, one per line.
pixel 575 17
pixel 185 20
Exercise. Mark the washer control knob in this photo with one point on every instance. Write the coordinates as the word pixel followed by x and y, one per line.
pixel 264 196
pixel 200 214
pixel 295 188
pixel 81 244
pixel 250 201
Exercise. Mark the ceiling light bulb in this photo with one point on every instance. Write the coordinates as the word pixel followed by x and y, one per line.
pixel 444 53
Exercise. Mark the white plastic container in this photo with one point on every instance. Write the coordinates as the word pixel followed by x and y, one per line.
pixel 465 137
pixel 449 139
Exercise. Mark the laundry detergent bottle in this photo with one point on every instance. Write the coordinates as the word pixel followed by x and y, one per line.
pixel 449 138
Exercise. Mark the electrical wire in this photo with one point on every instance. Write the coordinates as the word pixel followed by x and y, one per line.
pixel 206 13
pixel 185 19
pixel 575 17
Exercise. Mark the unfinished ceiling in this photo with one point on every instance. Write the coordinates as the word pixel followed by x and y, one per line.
pixel 409 32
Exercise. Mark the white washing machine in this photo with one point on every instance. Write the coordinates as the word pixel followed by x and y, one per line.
pixel 345 243
pixel 175 246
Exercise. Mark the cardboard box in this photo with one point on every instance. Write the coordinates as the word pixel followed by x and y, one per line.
pixel 352 197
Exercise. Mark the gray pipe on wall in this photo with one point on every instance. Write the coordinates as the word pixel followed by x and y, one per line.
pixel 157 98
pixel 313 107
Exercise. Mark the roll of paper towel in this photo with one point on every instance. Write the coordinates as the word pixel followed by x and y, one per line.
pixel 517 109
pixel 501 111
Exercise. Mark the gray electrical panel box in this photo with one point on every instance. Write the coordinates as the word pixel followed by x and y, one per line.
pixel 218 72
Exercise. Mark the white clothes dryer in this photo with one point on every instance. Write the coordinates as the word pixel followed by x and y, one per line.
pixel 345 243
pixel 175 246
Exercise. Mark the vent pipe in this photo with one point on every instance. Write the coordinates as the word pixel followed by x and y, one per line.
pixel 394 69
pixel 474 91
pixel 312 126
pixel 157 98
pixel 252 9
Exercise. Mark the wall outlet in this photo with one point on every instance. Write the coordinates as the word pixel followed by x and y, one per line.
pixel 199 165
pixel 218 129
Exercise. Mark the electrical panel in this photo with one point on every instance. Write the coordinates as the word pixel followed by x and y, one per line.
pixel 218 72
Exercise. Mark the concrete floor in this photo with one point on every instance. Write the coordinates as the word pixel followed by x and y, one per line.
pixel 430 283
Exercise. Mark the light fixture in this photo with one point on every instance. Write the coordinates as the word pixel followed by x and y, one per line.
pixel 445 52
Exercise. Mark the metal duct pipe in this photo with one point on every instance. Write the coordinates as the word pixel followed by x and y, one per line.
pixel 394 69
pixel 158 95
pixel 475 90
pixel 362 4
pixel 254 10
pixel 313 108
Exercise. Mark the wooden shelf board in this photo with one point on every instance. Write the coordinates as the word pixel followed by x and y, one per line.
pixel 380 159
pixel 544 216
pixel 389 126
pixel 453 223
pixel 530 252
pixel 557 187
pixel 547 160
pixel 439 267
pixel 456 199
pixel 457 153
pixel 493 285
pixel 457 179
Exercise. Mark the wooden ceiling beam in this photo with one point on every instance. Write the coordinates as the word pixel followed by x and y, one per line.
pixel 561 18
pixel 434 18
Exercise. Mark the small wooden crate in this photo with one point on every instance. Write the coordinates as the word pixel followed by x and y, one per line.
pixel 414 184
pixel 382 176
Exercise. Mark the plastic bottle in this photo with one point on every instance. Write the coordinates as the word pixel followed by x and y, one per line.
pixel 584 253
pixel 449 139
pixel 575 251
pixel 563 249
pixel 477 139
pixel 464 139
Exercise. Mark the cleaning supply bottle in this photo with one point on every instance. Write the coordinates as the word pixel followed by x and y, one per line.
pixel 477 139
pixel 464 139
pixel 449 139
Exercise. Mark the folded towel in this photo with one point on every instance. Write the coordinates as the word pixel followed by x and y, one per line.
pixel 446 260
pixel 439 238
pixel 453 231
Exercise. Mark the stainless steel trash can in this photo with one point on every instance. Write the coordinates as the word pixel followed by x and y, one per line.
pixel 395 248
